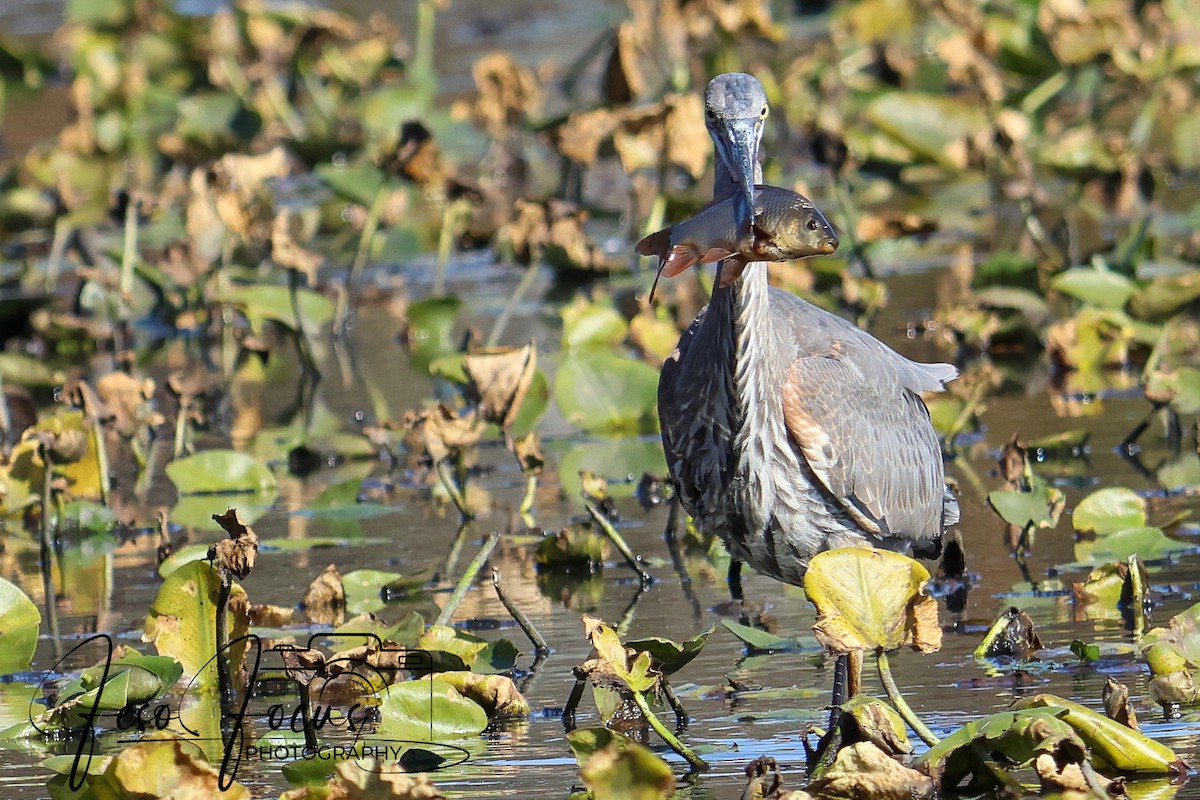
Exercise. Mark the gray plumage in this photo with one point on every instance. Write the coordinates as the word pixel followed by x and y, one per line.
pixel 787 429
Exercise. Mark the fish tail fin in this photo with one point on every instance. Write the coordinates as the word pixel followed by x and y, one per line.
pixel 656 244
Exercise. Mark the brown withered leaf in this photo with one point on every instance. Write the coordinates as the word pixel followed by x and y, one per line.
pixel 498 695
pixel 582 135
pixel 325 599
pixel 248 174
pixel 499 379
pixel 441 431
pixel 128 399
pixel 1068 780
pixel 864 772
pixel 205 229
pixel 369 779
pixel 508 93
pixel 1117 705
pixel 263 615
pixel 528 450
pixel 235 555
pixel 287 229
pixel 302 664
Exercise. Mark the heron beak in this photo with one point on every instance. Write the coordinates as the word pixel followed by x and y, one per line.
pixel 738 146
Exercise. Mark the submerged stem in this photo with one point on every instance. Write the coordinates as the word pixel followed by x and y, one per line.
pixel 893 693
pixel 468 578
pixel 619 542
pixel 540 647
pixel 698 764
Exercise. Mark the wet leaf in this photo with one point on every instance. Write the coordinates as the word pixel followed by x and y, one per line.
pixel 631 772
pixel 876 722
pixel 603 392
pixel 1111 743
pixel 1180 387
pixel 182 621
pixel 1148 544
pixel 428 711
pixel 614 660
pixel 20 621
pixel 1175 647
pixel 868 599
pixel 618 460
pixel 219 472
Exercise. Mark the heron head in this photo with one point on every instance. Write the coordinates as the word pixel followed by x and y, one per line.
pixel 735 108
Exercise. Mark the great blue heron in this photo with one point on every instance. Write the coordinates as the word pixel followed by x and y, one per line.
pixel 788 430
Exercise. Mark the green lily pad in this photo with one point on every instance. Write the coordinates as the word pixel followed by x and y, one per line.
pixel 430 329
pixel 359 182
pixel 1147 543
pixel 629 772
pixel 1096 287
pixel 428 711
pixel 182 621
pixel 764 641
pixel 603 392
pixel 264 302
pixel 1110 510
pixel 926 124
pixel 589 324
pixel 1114 746
pixel 1039 507
pixel 219 472
pixel 670 657
pixel 620 461
pixel 19 624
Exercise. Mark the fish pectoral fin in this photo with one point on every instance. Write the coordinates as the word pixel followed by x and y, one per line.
pixel 715 254
pixel 679 259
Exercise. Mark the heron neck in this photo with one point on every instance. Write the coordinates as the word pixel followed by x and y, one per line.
pixel 753 343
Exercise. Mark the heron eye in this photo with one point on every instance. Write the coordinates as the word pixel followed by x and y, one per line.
pixel 763 113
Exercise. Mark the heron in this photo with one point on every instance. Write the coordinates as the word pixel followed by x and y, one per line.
pixel 788 430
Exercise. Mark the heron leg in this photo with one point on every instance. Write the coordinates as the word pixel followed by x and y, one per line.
pixel 734 579
pixel 841 675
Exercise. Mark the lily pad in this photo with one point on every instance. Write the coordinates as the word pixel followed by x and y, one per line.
pixel 1039 507
pixel 764 641
pixel 428 711
pixel 219 472
pixel 19 624
pixel 1110 510
pixel 669 657
pixel 603 392
pixel 1096 287
pixel 868 599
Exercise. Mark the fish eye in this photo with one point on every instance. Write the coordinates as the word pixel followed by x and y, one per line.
pixel 708 112
pixel 812 225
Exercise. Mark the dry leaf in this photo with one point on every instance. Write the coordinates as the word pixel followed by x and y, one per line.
pixel 325 600
pixel 499 379
pixel 236 554
pixel 864 772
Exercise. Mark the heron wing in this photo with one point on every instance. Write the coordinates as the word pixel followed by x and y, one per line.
pixel 869 441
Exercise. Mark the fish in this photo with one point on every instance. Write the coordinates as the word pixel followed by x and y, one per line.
pixel 786 226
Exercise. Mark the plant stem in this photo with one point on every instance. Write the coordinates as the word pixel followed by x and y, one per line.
pixel 468 578
pixel 527 501
pixel 224 679
pixel 370 227
pixel 456 495
pixel 893 693
pixel 540 647
pixel 698 764
pixel 506 313
pixel 47 549
pixel 608 530
pixel 426 26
